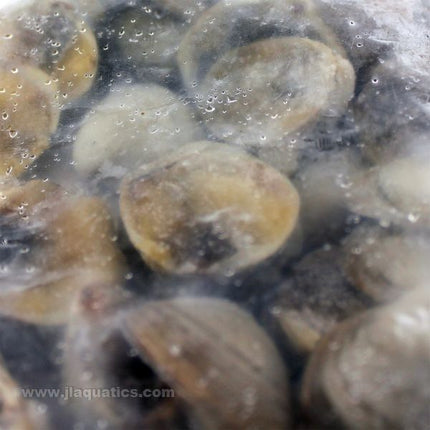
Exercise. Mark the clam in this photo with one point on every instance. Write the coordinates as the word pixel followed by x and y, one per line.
pixel 372 371
pixel 314 299
pixel 29 114
pixel 231 24
pixel 17 413
pixel 384 263
pixel 134 125
pixel 260 94
pixel 392 113
pixel 208 208
pixel 50 34
pixel 53 244
pixel 221 368
pixel 395 193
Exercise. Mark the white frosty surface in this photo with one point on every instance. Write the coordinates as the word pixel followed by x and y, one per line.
pixel 402 24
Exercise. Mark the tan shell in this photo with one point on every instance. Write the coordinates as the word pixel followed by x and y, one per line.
pixel 372 371
pixel 29 114
pixel 385 265
pixel 208 208
pixel 51 35
pixel 59 244
pixel 224 370
pixel 229 24
pixel 396 192
pixel 134 125
pixel 17 413
pixel 307 79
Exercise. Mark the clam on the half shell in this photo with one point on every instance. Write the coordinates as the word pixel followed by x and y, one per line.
pixel 223 369
pixel 208 208
pixel 53 244
pixel 372 371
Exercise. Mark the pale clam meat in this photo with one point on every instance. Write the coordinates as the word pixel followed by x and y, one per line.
pixel 395 193
pixel 231 24
pixel 53 244
pixel 260 94
pixel 50 34
pixel 208 208
pixel 223 369
pixel 386 264
pixel 372 371
pixel 133 125
pixel 29 114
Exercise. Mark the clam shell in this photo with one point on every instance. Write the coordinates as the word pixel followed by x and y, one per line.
pixel 224 370
pixel 51 35
pixel 372 371
pixel 208 208
pixel 386 264
pixel 306 80
pixel 134 125
pixel 53 245
pixel 230 24
pixel 29 114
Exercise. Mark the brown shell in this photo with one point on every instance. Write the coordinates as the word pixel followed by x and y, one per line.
pixel 208 208
pixel 66 243
pixel 372 371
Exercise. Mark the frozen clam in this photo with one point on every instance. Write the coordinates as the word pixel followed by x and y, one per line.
pixel 53 244
pixel 134 125
pixel 230 24
pixel 372 371
pixel 395 192
pixel 51 35
pixel 314 299
pixel 260 94
pixel 219 366
pixel 17 413
pixel 385 264
pixel 29 113
pixel 208 208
